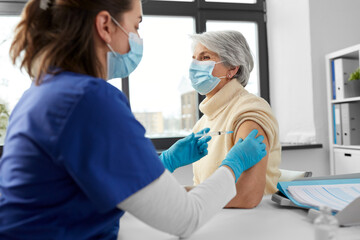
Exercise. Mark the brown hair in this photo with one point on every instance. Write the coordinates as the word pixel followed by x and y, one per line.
pixel 61 36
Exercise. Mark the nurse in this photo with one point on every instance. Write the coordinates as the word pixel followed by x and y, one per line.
pixel 75 158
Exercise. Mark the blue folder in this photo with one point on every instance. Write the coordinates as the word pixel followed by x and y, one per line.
pixel 283 186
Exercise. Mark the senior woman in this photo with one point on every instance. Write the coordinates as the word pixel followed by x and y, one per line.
pixel 220 70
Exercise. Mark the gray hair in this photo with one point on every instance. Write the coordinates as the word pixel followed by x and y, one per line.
pixel 232 48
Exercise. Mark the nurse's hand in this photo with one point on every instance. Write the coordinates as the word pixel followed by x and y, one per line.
pixel 245 153
pixel 185 151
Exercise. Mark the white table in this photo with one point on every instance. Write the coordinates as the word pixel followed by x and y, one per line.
pixel 266 221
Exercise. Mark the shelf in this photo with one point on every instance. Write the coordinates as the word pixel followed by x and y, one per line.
pixel 354 99
pixel 300 146
pixel 350 52
pixel 347 147
pixel 337 162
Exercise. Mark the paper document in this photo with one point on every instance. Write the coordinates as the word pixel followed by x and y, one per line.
pixel 336 196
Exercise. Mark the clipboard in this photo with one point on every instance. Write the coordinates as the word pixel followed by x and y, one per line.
pixel 349 216
pixel 282 200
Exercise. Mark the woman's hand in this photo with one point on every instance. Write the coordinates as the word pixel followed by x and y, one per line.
pixel 186 151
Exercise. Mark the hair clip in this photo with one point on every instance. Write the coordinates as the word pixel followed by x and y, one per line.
pixel 44 4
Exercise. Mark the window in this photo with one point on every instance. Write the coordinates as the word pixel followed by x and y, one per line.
pixel 10 91
pixel 13 82
pixel 246 16
pixel 160 82
pixel 116 82
pixel 159 91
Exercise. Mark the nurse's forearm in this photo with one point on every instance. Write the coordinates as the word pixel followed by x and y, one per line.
pixel 165 205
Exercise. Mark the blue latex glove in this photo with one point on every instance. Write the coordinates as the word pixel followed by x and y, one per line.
pixel 245 153
pixel 185 151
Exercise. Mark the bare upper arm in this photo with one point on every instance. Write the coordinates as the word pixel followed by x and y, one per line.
pixel 251 184
pixel 246 127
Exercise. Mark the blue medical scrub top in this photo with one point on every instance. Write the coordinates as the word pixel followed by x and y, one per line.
pixel 73 151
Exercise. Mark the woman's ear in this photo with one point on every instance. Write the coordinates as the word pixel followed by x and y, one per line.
pixel 104 26
pixel 232 71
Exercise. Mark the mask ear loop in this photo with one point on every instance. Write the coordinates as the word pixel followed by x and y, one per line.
pixel 123 29
pixel 217 63
pixel 111 49
pixel 228 76
pixel 118 24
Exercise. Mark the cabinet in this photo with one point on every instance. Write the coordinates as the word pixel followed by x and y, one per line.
pixel 343 110
pixel 346 161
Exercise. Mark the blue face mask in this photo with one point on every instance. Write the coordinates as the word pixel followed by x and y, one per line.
pixel 200 74
pixel 121 65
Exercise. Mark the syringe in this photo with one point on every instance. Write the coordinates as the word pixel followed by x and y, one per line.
pixel 215 133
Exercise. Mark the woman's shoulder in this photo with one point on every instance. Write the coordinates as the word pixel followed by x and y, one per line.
pixel 248 101
pixel 251 106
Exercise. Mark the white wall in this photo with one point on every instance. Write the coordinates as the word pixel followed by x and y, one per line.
pixel 290 69
pixel 291 82
pixel 300 34
pixel 334 25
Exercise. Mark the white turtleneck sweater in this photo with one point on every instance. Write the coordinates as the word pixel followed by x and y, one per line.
pixel 227 110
